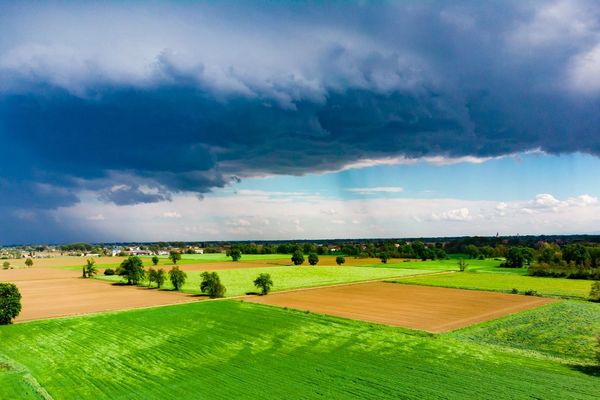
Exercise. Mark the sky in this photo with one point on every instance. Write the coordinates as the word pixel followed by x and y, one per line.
pixel 148 121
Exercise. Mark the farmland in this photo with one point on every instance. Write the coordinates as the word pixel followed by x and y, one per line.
pixel 238 281
pixel 229 349
pixel 506 282
pixel 426 308
pixel 562 330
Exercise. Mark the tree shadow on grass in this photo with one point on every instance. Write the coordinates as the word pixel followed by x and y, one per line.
pixel 592 370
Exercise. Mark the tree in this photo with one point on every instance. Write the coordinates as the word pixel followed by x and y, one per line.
pixel 297 257
pixel 132 268
pixel 155 260
pixel 472 251
pixel 234 253
pixel 160 277
pixel 90 268
pixel 177 277
pixel 174 256
pixel 595 292
pixel 313 259
pixel 340 260
pixel 10 302
pixel 384 257
pixel 576 253
pixel 462 265
pixel 5 265
pixel 211 285
pixel 517 257
pixel 264 283
pixel 151 276
pixel 29 262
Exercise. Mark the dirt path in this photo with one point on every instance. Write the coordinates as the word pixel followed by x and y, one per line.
pixel 433 309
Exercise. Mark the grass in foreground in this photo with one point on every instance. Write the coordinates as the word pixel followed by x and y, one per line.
pixel 506 282
pixel 240 281
pixel 565 330
pixel 229 349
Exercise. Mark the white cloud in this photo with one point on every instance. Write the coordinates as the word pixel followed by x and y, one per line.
pixel 171 214
pixel 374 190
pixel 97 217
pixel 237 217
pixel 459 214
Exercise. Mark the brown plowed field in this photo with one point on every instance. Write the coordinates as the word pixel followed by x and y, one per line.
pixel 432 309
pixel 51 292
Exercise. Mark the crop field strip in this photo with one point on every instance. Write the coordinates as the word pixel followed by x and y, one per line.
pixel 410 306
pixel 229 349
pixel 557 287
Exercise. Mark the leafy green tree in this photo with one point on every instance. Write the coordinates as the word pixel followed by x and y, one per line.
pixel 340 260
pixel 151 276
pixel 211 285
pixel 132 269
pixel 595 292
pixel 5 265
pixel 29 262
pixel 576 253
pixel 472 251
pixel 462 265
pixel 174 256
pixel 384 257
pixel 297 257
pixel 518 257
pixel 234 253
pixel 178 277
pixel 313 259
pixel 90 268
pixel 155 260
pixel 264 283
pixel 10 303
pixel 160 277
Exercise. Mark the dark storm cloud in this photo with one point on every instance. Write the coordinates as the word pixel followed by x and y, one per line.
pixel 135 102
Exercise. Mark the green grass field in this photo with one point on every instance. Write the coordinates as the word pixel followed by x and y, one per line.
pixel 216 257
pixel 505 282
pixel 240 281
pixel 229 350
pixel 566 330
pixel 487 265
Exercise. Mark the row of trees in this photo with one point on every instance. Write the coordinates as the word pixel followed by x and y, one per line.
pixel 133 270
pixel 571 261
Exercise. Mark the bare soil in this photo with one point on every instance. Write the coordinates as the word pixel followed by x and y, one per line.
pixel 432 309
pixel 51 292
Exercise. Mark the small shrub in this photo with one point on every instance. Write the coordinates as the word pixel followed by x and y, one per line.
pixel 155 260
pixel 29 262
pixel 595 292
pixel 462 265
pixel 109 272
pixel 10 302
pixel 340 260
pixel 514 291
pixel 530 292
pixel 5 265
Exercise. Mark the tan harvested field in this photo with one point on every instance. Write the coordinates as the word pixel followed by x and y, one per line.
pixel 432 309
pixel 51 292
pixel 64 261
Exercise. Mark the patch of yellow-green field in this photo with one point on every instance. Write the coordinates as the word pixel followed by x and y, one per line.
pixel 240 281
pixel 575 288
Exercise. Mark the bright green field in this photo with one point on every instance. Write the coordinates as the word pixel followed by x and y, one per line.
pixel 505 282
pixel 231 350
pixel 214 257
pixel 566 330
pixel 240 281
pixel 487 265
